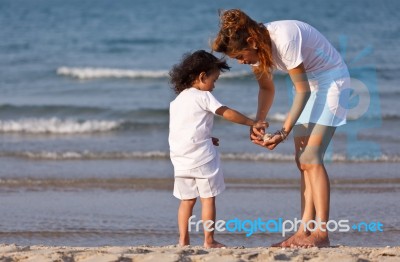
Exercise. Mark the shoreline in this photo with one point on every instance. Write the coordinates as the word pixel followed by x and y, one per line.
pixel 36 253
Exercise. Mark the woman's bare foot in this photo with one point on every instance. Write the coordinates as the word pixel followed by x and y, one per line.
pixel 213 244
pixel 184 242
pixel 315 239
pixel 292 241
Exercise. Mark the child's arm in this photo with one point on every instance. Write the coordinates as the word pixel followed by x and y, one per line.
pixel 236 117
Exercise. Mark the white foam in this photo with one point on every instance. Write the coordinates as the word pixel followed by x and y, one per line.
pixel 92 73
pixel 56 126
pixel 81 155
pixel 263 157
pixel 235 74
pixel 276 117
pixel 257 157
pixel 276 157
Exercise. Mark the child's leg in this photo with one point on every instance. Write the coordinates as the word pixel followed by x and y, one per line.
pixel 208 212
pixel 184 213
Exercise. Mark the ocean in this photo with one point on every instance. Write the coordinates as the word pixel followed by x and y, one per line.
pixel 84 98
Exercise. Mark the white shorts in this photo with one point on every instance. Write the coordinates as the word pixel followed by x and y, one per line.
pixel 329 100
pixel 204 181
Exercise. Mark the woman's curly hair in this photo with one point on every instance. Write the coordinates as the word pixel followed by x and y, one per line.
pixel 184 74
pixel 235 28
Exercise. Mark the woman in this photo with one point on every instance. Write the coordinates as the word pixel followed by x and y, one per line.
pixel 320 77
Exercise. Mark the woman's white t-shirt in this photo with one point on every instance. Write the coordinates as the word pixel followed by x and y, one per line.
pixel 295 42
pixel 190 124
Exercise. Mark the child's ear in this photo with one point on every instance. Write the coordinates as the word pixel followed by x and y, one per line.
pixel 202 77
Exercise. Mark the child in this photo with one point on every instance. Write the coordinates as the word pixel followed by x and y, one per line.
pixel 195 160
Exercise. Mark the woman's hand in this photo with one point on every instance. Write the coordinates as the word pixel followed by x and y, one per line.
pixel 272 142
pixel 215 141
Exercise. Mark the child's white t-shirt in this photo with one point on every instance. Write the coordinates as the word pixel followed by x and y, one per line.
pixel 190 124
pixel 295 42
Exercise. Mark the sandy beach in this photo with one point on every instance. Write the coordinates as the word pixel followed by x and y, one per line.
pixel 14 252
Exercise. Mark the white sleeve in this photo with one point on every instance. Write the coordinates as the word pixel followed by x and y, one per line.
pixel 211 104
pixel 291 54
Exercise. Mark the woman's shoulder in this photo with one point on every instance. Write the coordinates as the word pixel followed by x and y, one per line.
pixel 285 26
pixel 289 28
pixel 284 23
pixel 284 32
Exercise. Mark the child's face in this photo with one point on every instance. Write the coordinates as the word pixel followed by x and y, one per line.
pixel 207 82
pixel 247 57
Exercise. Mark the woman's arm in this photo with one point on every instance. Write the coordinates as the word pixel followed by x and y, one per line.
pixel 266 94
pixel 302 88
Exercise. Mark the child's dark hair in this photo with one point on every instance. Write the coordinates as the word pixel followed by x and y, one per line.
pixel 191 66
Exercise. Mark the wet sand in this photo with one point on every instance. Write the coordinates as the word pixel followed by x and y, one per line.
pixel 13 252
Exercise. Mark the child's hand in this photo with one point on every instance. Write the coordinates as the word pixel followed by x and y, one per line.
pixel 257 131
pixel 215 141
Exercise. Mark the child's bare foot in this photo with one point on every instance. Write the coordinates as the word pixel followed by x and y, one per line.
pixel 315 239
pixel 213 244
pixel 292 241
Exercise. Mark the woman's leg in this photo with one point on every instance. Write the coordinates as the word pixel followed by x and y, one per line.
pixel 208 213
pixel 307 213
pixel 301 136
pixel 307 202
pixel 184 213
pixel 311 144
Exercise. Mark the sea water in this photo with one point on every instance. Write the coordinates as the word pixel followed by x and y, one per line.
pixel 84 98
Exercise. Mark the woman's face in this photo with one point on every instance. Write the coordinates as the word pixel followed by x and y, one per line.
pixel 246 56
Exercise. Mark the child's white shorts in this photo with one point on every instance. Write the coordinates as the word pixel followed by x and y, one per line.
pixel 204 181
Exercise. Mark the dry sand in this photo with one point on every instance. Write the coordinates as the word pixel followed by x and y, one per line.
pixel 9 253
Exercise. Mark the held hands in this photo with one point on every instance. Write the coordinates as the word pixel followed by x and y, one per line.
pixel 257 130
pixel 270 141
pixel 259 125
